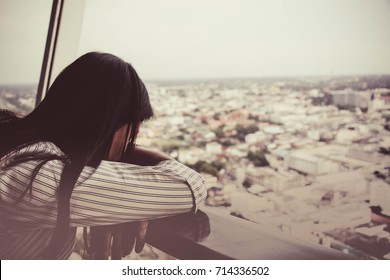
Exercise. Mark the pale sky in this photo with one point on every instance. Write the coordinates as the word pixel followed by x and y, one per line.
pixel 23 31
pixel 195 39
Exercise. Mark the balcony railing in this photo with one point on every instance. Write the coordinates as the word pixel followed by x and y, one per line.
pixel 208 235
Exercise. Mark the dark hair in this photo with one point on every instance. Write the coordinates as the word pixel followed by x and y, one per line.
pixel 7 116
pixel 89 100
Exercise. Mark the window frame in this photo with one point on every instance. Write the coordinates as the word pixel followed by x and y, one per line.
pixel 62 41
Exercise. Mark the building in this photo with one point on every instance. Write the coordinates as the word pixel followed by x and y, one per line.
pixel 349 98
pixel 310 164
pixel 276 181
pixel 380 195
pixel 351 182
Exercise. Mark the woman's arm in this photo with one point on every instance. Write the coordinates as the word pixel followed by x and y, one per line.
pixel 118 192
pixel 144 156
pixel 128 235
pixel 114 192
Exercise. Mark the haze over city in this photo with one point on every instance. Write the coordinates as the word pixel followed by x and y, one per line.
pixel 211 39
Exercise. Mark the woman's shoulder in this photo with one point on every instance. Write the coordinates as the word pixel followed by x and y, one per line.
pixel 34 149
pixel 40 147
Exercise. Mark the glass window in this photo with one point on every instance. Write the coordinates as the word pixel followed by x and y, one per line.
pixel 23 31
pixel 283 105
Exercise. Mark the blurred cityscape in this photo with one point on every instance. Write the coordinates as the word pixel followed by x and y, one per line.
pixel 20 99
pixel 306 156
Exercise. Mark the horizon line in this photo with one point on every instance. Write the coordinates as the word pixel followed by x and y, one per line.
pixel 230 78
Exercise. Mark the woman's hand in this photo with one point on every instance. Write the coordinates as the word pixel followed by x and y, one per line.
pixel 117 240
pixel 126 237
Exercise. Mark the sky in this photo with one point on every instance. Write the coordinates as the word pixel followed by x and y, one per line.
pixel 206 39
pixel 23 31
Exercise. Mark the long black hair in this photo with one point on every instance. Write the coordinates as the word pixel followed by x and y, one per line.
pixel 89 100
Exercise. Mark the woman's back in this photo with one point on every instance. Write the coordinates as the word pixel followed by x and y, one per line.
pixel 54 169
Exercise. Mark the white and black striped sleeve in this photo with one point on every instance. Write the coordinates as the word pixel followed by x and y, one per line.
pixel 118 192
pixel 112 193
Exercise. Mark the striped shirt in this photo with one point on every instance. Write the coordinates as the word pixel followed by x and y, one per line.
pixel 112 193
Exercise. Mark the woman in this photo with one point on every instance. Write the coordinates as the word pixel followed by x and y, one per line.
pixel 60 165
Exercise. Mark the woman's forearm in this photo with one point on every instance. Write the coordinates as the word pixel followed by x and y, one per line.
pixel 145 156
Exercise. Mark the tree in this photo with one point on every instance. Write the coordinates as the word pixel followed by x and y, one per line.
pixel 385 151
pixel 205 167
pixel 171 145
pixel 258 158
pixel 219 131
pixel 317 101
pixel 218 164
pixel 242 131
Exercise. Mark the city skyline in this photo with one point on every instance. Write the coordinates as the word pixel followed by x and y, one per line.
pixel 303 157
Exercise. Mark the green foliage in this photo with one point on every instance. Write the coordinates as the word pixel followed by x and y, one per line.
pixel 218 164
pixel 253 117
pixel 385 151
pixel 247 183
pixel 242 131
pixel 227 142
pixel 318 101
pixel 219 131
pixel 217 116
pixel 258 158
pixel 171 145
pixel 205 167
